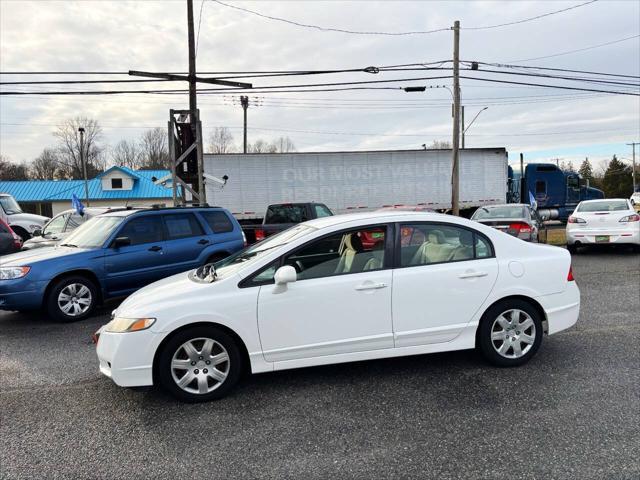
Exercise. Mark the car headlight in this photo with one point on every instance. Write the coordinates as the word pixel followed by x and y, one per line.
pixel 10 273
pixel 35 227
pixel 120 324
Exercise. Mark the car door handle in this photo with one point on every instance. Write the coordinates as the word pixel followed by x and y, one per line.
pixel 371 286
pixel 203 241
pixel 155 248
pixel 472 274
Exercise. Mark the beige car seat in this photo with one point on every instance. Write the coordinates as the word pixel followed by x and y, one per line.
pixel 377 257
pixel 465 250
pixel 434 250
pixel 351 246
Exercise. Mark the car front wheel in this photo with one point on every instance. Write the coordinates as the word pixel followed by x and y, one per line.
pixel 199 364
pixel 71 299
pixel 510 333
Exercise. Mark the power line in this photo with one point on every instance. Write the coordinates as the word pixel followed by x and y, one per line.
pixel 423 32
pixel 560 77
pixel 199 23
pixel 506 65
pixel 329 29
pixel 580 89
pixel 576 51
pixel 531 18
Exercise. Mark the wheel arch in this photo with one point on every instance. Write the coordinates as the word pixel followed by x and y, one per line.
pixel 80 272
pixel 531 301
pixel 239 342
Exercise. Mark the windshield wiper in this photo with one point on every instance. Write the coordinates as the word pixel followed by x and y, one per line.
pixel 68 245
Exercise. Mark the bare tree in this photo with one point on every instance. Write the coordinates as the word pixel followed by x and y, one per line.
pixel 438 145
pixel 46 165
pixel 262 146
pixel 284 145
pixel 70 147
pixel 221 141
pixel 13 171
pixel 127 154
pixel 154 150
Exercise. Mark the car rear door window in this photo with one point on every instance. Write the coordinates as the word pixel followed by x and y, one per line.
pixel 182 225
pixel 286 213
pixel 431 243
pixel 142 230
pixel 75 221
pixel 218 221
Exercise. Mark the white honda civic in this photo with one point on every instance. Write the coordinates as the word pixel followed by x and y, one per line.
pixel 341 289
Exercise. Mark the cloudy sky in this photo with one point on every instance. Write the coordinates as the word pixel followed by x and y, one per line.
pixel 544 123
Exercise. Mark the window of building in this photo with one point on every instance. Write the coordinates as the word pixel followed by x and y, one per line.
pixel 116 183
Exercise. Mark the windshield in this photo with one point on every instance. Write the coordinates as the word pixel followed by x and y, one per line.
pixel 502 211
pixel 10 205
pixel 250 255
pixel 93 233
pixel 603 206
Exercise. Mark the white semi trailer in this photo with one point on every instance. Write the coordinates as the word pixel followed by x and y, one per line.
pixel 355 181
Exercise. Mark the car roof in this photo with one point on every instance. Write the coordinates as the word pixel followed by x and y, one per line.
pixel 379 216
pixel 604 200
pixel 133 210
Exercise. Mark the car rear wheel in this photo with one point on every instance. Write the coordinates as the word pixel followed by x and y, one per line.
pixel 71 299
pixel 22 233
pixel 199 364
pixel 510 333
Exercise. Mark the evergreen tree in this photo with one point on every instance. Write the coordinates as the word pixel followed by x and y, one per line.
pixel 617 181
pixel 586 171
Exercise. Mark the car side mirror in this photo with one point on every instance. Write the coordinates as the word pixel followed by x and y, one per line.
pixel 285 274
pixel 121 242
pixel 37 233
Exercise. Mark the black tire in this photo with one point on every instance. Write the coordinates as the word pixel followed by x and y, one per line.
pixel 489 348
pixel 51 302
pixel 233 368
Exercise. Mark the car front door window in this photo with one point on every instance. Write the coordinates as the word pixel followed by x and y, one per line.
pixel 55 226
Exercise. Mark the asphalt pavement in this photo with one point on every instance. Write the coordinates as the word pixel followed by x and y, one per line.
pixel 573 412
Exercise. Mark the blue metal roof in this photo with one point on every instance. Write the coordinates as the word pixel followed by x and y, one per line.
pixel 56 190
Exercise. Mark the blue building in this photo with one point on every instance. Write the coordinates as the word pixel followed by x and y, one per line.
pixel 117 186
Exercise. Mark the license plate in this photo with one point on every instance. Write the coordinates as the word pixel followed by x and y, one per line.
pixel 602 238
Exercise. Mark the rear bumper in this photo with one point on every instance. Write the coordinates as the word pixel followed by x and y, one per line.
pixel 561 309
pixel 618 236
pixel 21 294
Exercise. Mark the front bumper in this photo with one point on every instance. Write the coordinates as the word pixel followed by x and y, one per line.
pixel 587 236
pixel 127 358
pixel 561 309
pixel 21 294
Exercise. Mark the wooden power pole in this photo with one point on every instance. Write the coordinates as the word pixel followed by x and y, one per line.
pixel 184 151
pixel 455 171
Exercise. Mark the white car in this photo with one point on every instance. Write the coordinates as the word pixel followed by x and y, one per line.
pixel 609 221
pixel 318 294
pixel 635 199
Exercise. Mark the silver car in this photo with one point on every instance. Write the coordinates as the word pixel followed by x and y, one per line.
pixel 517 219
pixel 60 226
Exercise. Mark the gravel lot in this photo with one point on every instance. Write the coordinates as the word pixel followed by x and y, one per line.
pixel 572 412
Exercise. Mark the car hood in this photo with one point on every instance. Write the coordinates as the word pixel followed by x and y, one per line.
pixel 28 217
pixel 38 241
pixel 169 291
pixel 30 257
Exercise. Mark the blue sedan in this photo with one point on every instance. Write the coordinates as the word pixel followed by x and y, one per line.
pixel 114 254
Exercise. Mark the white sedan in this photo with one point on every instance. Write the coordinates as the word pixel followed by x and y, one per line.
pixel 610 221
pixel 342 289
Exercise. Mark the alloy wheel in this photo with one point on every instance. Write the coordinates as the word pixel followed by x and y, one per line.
pixel 513 333
pixel 200 365
pixel 74 299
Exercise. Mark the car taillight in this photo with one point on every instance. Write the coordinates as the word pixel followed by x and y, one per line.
pixel 630 218
pixel 576 220
pixel 570 275
pixel 521 227
pixel 259 234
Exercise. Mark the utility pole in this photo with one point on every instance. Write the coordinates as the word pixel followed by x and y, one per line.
pixel 83 161
pixel 184 149
pixel 455 173
pixel 244 101
pixel 193 104
pixel 633 163
pixel 463 129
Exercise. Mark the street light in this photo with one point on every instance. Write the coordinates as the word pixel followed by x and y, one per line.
pixel 474 119
pixel 84 166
